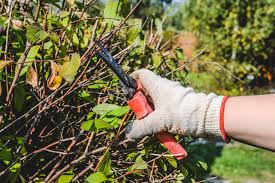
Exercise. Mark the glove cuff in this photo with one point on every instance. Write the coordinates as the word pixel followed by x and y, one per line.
pixel 214 121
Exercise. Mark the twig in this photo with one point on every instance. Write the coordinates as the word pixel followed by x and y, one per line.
pixel 89 142
pixel 46 147
pixel 223 68
pixel 80 174
pixel 49 178
pixel 30 111
pixel 20 65
pixel 72 163
pixel 187 62
pixel 9 11
pixel 206 180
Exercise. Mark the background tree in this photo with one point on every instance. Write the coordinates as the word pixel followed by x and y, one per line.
pixel 234 32
pixel 152 8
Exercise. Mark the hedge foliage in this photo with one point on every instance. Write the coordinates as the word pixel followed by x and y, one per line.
pixel 63 112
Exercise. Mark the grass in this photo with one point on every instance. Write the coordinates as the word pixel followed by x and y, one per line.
pixel 239 163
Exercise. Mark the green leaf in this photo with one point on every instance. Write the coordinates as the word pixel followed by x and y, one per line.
pixel 54 21
pixel 33 52
pixel 102 109
pixel 19 96
pixel 64 14
pixel 69 68
pixel 180 177
pixel 99 124
pixel 2 39
pixel 139 164
pixel 66 177
pixel 97 84
pixel 65 23
pixel 105 165
pixel 156 58
pixel 95 125
pixel 172 161
pixel 110 113
pixel 90 115
pixel 115 122
pixel 87 125
pixel 110 12
pixel 203 165
pixel 16 167
pixel 163 165
pixel 47 45
pixel 97 177
pixel 134 30
pixel 120 111
pixel 85 96
pixel 75 39
pixel 54 38
pixel 5 154
pixel 36 34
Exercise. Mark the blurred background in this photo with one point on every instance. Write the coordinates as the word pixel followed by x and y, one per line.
pixel 239 37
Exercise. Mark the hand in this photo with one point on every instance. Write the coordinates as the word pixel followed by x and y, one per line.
pixel 178 109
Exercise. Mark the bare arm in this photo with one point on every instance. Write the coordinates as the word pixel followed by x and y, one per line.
pixel 251 120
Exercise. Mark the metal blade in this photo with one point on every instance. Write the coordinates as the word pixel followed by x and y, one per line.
pixel 128 83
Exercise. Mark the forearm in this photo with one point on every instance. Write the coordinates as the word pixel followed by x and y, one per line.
pixel 251 119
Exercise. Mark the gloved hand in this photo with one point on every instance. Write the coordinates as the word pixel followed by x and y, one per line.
pixel 178 109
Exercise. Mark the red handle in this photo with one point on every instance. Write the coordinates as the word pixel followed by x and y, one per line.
pixel 142 108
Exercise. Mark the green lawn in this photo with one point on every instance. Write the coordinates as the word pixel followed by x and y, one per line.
pixel 238 163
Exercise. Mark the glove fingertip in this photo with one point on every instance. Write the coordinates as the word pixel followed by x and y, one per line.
pixel 134 130
pixel 143 75
pixel 128 131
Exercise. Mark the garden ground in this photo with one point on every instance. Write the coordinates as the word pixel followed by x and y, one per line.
pixel 242 163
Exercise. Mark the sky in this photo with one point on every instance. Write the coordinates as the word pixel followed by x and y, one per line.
pixel 178 1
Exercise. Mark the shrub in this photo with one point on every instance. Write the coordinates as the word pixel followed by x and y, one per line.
pixel 63 111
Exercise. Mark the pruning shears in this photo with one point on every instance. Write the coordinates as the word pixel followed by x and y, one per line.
pixel 138 101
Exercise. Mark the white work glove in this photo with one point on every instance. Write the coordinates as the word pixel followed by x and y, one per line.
pixel 178 109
